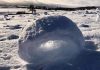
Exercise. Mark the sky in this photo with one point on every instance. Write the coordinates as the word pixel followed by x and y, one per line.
pixel 62 2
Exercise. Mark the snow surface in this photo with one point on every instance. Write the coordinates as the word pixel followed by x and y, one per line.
pixel 89 59
pixel 98 14
pixel 4 10
pixel 72 3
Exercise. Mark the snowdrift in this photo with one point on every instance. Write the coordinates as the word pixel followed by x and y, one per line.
pixel 49 40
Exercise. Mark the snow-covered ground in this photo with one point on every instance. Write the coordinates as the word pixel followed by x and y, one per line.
pixel 14 10
pixel 61 2
pixel 11 26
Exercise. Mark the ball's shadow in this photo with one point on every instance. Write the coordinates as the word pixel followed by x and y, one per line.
pixel 88 60
pixel 4 68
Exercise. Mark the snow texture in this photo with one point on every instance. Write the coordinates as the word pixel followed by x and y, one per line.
pixel 49 40
pixel 98 15
pixel 88 59
pixel 59 2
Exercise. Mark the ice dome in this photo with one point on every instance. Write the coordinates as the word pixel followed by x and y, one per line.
pixel 50 39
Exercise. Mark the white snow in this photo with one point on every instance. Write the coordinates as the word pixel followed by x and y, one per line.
pixel 98 15
pixel 13 10
pixel 70 3
pixel 73 2
pixel 9 48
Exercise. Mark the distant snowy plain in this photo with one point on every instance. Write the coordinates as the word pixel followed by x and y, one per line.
pixel 73 3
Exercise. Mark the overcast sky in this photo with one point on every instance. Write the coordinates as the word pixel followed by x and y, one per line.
pixel 64 2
